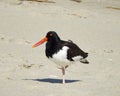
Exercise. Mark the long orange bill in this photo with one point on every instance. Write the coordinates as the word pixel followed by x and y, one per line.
pixel 40 42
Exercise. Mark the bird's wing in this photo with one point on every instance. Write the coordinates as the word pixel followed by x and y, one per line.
pixel 74 50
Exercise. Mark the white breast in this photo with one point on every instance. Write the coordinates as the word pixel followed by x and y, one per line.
pixel 61 55
pixel 60 58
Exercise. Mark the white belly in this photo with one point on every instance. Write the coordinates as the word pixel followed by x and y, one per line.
pixel 60 58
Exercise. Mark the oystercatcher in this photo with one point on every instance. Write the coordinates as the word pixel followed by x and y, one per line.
pixel 63 53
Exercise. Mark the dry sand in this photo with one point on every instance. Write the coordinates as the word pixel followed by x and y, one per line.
pixel 94 25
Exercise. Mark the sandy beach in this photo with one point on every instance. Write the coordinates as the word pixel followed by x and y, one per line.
pixel 94 25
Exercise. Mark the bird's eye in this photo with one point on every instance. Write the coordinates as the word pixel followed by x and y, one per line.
pixel 51 34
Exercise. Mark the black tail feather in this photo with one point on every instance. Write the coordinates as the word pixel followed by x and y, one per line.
pixel 85 55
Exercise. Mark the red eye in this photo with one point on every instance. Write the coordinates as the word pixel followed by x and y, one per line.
pixel 51 34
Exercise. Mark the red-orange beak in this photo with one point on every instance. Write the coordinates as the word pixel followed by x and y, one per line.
pixel 40 42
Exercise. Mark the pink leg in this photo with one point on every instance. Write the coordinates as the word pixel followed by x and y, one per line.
pixel 63 74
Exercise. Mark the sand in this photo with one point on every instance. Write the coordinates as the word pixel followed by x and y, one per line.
pixel 94 25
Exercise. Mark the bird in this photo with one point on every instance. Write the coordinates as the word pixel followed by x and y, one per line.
pixel 61 52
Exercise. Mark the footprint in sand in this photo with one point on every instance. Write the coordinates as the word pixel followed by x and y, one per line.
pixel 46 1
pixel 29 66
pixel 108 51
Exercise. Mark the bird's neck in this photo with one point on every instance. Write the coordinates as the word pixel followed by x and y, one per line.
pixel 52 47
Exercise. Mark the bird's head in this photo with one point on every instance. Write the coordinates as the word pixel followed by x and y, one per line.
pixel 50 37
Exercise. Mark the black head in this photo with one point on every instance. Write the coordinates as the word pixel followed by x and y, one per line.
pixel 52 36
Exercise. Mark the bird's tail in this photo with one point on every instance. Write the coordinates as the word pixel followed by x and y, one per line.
pixel 83 60
pixel 85 55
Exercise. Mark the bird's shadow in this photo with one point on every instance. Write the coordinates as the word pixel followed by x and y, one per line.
pixel 53 80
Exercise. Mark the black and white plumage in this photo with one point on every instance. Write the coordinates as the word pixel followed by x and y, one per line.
pixel 63 53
